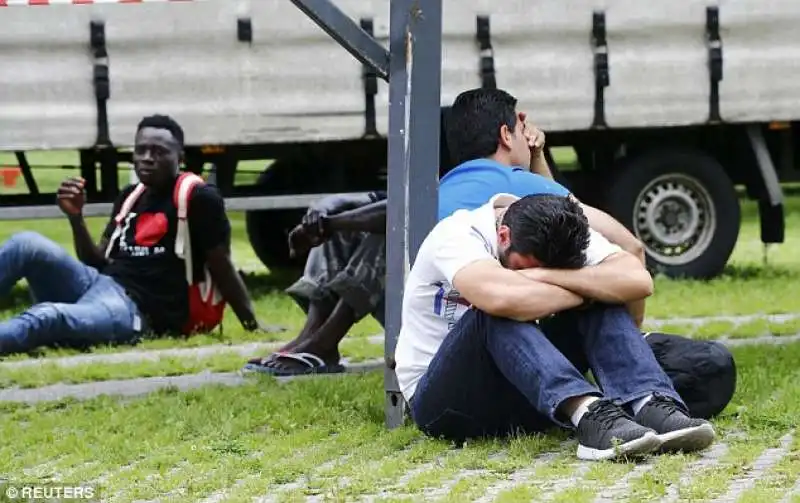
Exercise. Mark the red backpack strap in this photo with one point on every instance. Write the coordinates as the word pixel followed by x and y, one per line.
pixel 124 209
pixel 180 197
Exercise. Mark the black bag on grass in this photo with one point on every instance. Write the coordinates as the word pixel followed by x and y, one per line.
pixel 702 372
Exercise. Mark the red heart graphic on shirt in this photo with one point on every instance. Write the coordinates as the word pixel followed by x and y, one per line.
pixel 150 228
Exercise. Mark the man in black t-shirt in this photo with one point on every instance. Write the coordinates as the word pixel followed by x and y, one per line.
pixel 344 277
pixel 140 284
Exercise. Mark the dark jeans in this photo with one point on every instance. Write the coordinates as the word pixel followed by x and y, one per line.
pixel 76 305
pixel 495 376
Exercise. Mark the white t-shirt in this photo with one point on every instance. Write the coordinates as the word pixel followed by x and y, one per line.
pixel 431 306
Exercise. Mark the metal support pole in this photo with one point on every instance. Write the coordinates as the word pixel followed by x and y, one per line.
pixel 414 115
pixel 414 74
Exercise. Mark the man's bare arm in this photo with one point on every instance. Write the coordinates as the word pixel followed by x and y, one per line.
pixel 618 234
pixel 369 218
pixel 501 292
pixel 619 279
pixel 87 252
pixel 231 286
pixel 540 167
pixel 614 231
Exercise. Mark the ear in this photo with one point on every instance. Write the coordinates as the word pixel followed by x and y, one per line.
pixel 503 236
pixel 506 137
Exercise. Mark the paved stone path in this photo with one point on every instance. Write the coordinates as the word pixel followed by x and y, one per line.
pixel 736 320
pixel 144 385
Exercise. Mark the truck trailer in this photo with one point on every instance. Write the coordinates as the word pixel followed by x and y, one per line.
pixel 668 106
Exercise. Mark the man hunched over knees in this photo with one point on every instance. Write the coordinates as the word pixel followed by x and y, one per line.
pixel 472 361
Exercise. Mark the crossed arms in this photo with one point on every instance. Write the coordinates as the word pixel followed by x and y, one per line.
pixel 537 293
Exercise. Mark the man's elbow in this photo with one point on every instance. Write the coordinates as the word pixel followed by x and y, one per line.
pixel 640 285
pixel 637 249
pixel 493 304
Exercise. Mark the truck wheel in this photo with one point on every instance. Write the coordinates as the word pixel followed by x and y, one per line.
pixel 682 206
pixel 268 230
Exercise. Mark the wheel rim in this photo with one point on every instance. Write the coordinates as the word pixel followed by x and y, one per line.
pixel 674 218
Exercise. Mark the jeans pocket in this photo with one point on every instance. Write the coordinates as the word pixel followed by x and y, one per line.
pixel 451 425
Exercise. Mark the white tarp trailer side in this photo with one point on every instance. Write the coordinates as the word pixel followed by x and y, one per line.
pixel 259 72
pixel 293 83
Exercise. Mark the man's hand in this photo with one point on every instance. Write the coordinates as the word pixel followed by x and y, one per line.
pixel 260 328
pixel 536 142
pixel 534 135
pixel 313 222
pixel 71 197
pixel 300 241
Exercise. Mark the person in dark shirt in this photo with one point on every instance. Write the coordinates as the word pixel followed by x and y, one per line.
pixel 132 282
pixel 343 281
pixel 344 277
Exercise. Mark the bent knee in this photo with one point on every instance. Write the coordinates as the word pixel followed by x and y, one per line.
pixel 46 311
pixel 29 240
pixel 26 237
pixel 33 244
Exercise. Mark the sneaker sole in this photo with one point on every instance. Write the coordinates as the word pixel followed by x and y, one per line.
pixel 645 444
pixel 688 439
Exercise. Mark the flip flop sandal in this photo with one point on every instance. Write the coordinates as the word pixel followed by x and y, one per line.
pixel 313 365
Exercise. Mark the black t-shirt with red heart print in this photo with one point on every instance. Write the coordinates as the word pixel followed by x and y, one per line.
pixel 143 258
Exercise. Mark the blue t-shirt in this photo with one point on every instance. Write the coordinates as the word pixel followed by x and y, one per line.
pixel 471 185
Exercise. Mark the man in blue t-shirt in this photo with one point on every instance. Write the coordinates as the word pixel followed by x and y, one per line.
pixel 493 150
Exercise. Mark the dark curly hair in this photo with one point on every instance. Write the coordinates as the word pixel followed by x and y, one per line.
pixel 552 229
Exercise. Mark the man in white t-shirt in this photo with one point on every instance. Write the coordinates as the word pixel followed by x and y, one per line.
pixel 472 361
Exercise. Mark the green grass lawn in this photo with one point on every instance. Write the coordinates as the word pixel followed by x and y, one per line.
pixel 324 439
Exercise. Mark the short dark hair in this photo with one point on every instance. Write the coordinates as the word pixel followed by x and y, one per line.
pixel 474 122
pixel 553 229
pixel 163 122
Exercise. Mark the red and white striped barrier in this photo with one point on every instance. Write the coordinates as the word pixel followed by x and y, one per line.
pixel 30 3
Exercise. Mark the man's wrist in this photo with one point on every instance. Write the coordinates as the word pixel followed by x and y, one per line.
pixel 75 218
pixel 325 226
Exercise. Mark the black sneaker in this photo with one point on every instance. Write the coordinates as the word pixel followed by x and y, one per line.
pixel 607 432
pixel 676 430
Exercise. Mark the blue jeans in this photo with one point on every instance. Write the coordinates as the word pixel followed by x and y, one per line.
pixel 76 305
pixel 495 376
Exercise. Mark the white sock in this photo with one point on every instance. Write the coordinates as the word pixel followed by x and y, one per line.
pixel 582 409
pixel 638 404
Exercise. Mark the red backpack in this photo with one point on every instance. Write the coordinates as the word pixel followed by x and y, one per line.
pixel 206 305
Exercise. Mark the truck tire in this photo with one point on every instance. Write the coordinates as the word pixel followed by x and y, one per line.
pixel 683 207
pixel 268 230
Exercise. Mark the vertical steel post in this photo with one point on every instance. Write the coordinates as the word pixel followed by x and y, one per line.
pixel 414 115
pixel 414 74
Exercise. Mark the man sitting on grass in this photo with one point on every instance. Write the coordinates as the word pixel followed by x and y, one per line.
pixel 343 281
pixel 344 277
pixel 472 362
pixel 495 151
pixel 141 285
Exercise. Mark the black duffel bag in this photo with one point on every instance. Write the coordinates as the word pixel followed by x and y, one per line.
pixel 702 372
